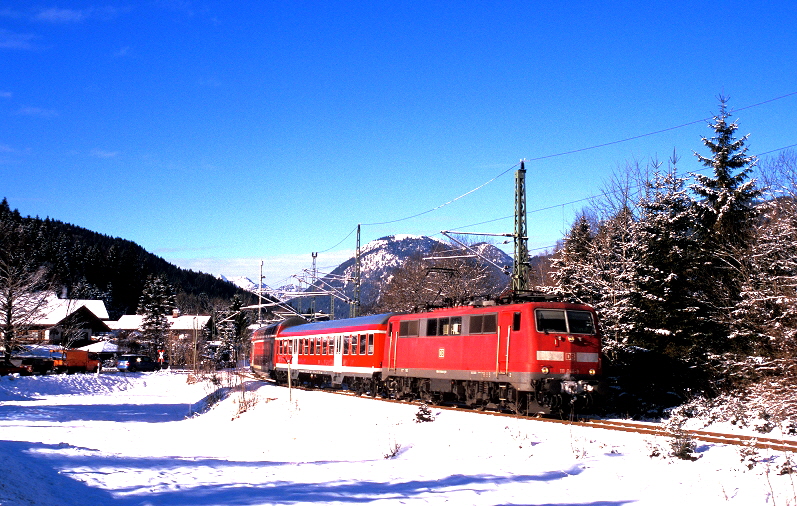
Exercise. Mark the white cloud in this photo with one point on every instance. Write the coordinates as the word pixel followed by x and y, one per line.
pixel 122 52
pixel 99 153
pixel 37 111
pixel 56 15
pixel 11 40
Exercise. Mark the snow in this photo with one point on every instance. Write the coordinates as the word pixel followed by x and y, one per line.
pixel 155 438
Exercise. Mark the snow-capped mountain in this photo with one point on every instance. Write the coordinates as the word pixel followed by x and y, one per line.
pixel 378 261
pixel 380 258
pixel 241 282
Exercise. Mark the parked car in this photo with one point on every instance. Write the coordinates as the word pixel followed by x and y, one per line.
pixel 133 363
pixel 22 370
pixel 74 361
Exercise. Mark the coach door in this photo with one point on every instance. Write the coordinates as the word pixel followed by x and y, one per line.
pixel 392 345
pixel 508 326
pixel 338 359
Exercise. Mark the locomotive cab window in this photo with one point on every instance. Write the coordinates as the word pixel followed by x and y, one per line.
pixel 558 320
pixel 580 322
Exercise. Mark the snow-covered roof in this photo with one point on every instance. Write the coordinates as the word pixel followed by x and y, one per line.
pixel 56 309
pixel 178 324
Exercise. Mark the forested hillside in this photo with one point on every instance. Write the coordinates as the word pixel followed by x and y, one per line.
pixel 90 265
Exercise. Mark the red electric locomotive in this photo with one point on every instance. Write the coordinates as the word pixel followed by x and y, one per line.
pixel 527 357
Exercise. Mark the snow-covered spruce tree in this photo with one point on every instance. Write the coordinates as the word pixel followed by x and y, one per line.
pixel 155 304
pixel 615 256
pixel 574 264
pixel 662 306
pixel 594 268
pixel 724 227
pixel 766 314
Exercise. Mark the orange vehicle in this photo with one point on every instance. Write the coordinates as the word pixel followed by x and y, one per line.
pixel 74 361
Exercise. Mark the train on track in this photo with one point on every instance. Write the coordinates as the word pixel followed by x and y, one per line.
pixel 530 356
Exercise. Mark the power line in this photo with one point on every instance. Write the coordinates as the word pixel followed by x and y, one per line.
pixel 563 153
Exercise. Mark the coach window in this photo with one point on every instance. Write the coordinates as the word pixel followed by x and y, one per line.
pixel 363 344
pixel 346 344
pixel 354 339
pixel 370 344
pixel 312 346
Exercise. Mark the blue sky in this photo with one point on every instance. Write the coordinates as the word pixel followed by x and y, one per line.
pixel 217 134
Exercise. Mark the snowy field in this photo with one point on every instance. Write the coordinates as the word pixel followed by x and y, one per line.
pixel 150 438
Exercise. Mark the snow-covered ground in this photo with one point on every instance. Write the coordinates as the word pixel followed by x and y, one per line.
pixel 149 438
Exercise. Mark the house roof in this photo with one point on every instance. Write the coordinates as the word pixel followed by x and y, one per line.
pixel 182 323
pixel 56 310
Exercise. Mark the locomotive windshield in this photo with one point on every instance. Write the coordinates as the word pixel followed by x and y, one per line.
pixel 562 321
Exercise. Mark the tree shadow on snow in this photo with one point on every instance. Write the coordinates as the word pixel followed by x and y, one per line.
pixel 151 413
pixel 46 477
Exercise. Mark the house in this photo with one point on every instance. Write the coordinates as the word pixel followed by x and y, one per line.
pixel 180 326
pixel 66 322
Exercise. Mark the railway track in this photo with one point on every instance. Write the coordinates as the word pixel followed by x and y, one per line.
pixel 654 429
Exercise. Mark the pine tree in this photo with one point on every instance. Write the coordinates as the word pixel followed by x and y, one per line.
pixel 574 265
pixel 156 303
pixel 766 315
pixel 725 223
pixel 663 311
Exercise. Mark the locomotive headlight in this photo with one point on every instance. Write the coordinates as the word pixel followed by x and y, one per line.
pixel 572 339
pixel 592 372
pixel 545 370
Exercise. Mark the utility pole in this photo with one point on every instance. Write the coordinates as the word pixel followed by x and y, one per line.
pixel 520 274
pixel 313 288
pixel 260 295
pixel 355 306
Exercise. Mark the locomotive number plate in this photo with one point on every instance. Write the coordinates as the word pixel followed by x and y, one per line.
pixel 441 353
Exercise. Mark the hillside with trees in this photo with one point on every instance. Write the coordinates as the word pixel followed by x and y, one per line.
pixel 83 264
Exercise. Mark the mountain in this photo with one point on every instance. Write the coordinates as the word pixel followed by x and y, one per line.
pixel 378 261
pixel 242 282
